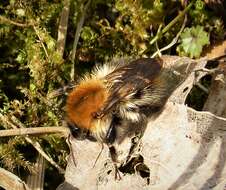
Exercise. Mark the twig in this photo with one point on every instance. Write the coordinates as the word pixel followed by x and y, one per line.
pixel 4 20
pixel 158 51
pixel 209 71
pixel 33 131
pixel 38 147
pixel 173 42
pixel 181 14
pixel 62 30
pixel 156 43
pixel 77 35
pixel 198 84
pixel 6 121
pixel 41 41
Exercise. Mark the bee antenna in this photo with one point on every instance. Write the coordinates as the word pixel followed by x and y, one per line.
pixel 98 156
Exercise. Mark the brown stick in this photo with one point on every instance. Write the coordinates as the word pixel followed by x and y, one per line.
pixel 33 131
pixel 15 123
pixel 4 20
pixel 63 25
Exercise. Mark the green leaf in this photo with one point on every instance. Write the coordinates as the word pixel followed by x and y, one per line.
pixel 192 41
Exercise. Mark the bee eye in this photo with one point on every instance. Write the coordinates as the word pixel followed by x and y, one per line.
pixel 97 115
pixel 75 130
pixel 78 133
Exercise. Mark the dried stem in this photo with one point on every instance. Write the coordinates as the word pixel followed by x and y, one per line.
pixel 4 20
pixel 62 30
pixel 15 124
pixel 77 35
pixel 181 14
pixel 33 131
pixel 174 41
pixel 38 147
pixel 41 41
pixel 203 88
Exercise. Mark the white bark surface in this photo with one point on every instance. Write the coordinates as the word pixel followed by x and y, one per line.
pixel 183 148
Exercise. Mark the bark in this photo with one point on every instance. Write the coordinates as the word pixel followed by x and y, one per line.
pixel 216 100
pixel 10 181
pixel 35 180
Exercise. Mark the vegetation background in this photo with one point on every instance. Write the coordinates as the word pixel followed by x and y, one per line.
pixel 47 44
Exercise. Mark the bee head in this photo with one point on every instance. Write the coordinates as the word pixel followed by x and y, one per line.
pixel 83 106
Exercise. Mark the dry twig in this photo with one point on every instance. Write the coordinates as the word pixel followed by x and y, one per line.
pixel 41 41
pixel 180 15
pixel 4 20
pixel 62 30
pixel 15 124
pixel 174 41
pixel 33 131
pixel 77 35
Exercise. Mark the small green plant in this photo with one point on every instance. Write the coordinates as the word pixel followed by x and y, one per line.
pixel 192 42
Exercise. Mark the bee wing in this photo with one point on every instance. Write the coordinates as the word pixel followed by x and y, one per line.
pixel 131 79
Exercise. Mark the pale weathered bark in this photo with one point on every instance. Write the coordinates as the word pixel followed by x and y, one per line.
pixel 216 102
pixel 63 25
pixel 35 180
pixel 183 149
pixel 10 181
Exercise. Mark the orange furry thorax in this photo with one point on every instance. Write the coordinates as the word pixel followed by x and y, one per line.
pixel 84 101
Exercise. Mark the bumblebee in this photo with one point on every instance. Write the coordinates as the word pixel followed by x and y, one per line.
pixel 119 97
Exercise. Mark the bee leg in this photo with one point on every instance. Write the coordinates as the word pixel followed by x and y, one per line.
pixel 114 160
pixel 110 139
pixel 111 133
pixel 117 173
